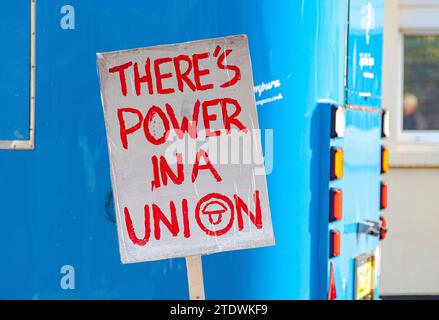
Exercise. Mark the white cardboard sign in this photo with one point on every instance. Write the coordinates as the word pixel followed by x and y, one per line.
pixel 185 149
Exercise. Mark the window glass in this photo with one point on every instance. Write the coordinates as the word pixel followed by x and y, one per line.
pixel 421 83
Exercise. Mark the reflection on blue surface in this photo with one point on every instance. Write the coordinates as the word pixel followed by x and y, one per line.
pixel 360 186
pixel 365 46
pixel 56 200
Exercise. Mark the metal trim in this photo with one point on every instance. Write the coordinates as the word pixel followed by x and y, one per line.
pixel 364 109
pixel 28 144
pixel 346 60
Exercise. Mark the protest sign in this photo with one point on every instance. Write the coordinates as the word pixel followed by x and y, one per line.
pixel 184 147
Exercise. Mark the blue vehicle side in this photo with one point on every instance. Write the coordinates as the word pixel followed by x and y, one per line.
pixel 56 199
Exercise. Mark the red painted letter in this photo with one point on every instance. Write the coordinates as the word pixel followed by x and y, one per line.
pixel 159 216
pixel 155 183
pixel 121 69
pixel 150 115
pixel 124 132
pixel 203 214
pixel 138 79
pixel 208 165
pixel 186 228
pixel 159 76
pixel 185 126
pixel 166 171
pixel 130 229
pixel 198 73
pixel 183 76
pixel 232 119
pixel 210 117
pixel 256 219
pixel 235 69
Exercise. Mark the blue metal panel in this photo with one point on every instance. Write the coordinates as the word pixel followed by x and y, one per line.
pixel 57 204
pixel 361 192
pixel 362 146
pixel 365 43
pixel 14 78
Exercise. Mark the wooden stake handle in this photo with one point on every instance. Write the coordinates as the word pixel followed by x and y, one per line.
pixel 195 278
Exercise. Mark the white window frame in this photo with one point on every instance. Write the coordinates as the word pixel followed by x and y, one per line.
pixel 409 148
pixel 413 136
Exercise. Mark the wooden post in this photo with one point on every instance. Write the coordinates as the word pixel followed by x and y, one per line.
pixel 195 278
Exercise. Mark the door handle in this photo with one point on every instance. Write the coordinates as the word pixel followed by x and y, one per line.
pixel 368 227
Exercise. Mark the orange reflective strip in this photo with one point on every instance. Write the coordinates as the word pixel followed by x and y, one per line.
pixel 337 163
pixel 384 160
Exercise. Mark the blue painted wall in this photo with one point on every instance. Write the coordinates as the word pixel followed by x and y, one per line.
pixel 56 201
pixel 366 26
pixel 14 76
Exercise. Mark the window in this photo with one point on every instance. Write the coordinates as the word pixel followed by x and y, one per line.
pixel 417 112
pixel 411 81
pixel 421 83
